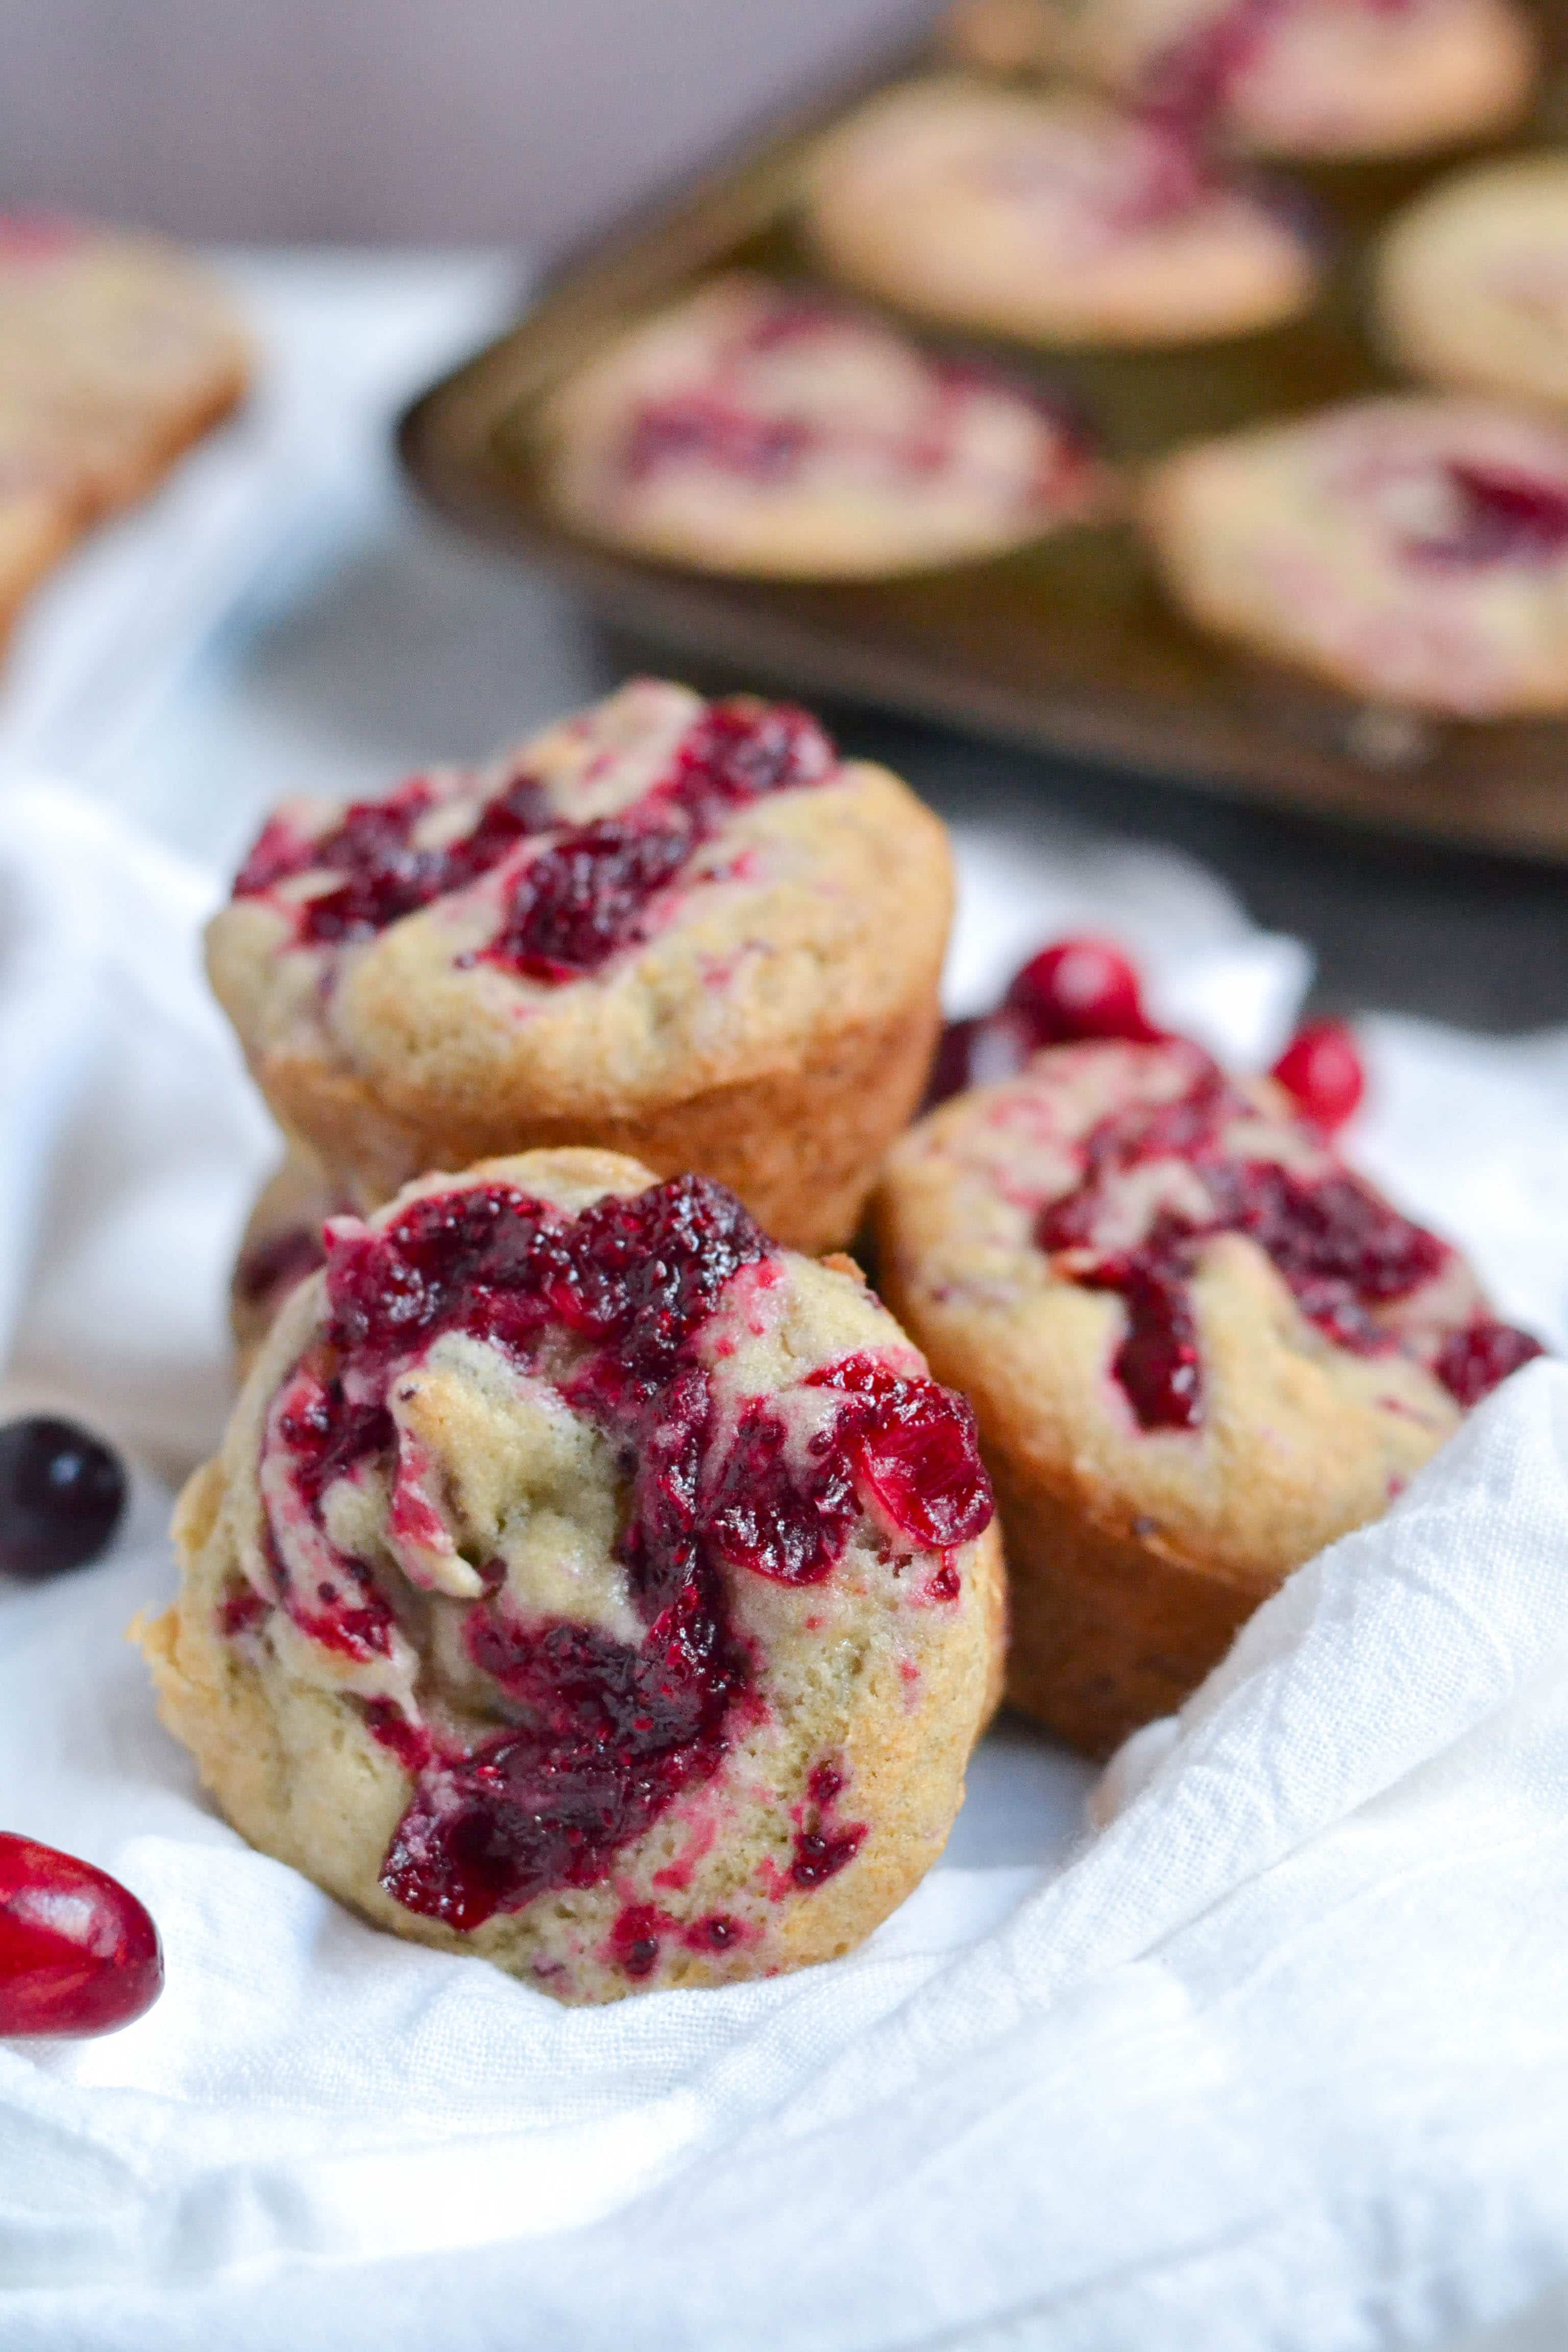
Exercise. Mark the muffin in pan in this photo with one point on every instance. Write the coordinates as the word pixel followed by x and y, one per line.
pixel 759 428
pixel 589 1583
pixel 1199 1345
pixel 1335 79
pixel 1471 281
pixel 1410 551
pixel 1056 218
pixel 679 929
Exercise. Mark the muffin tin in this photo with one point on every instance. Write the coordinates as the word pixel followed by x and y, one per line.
pixel 1067 644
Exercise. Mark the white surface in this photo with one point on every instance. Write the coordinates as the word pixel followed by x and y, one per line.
pixel 1281 2059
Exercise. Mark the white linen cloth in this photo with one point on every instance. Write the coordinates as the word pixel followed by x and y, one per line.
pixel 1282 2058
pixel 1278 2059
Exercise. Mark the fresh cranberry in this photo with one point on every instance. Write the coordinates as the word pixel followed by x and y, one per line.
pixel 1079 989
pixel 78 1955
pixel 1475 1361
pixel 1322 1070
pixel 62 1493
pixel 1504 517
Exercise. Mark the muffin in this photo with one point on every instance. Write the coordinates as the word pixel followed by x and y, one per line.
pixel 1409 551
pixel 1471 281
pixel 1316 78
pixel 759 430
pixel 1056 219
pixel 1199 1347
pixel 116 353
pixel 588 1583
pixel 683 930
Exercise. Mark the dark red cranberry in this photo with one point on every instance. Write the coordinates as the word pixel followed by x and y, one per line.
pixel 589 895
pixel 574 906
pixel 384 876
pixel 916 1446
pixel 1505 517
pixel 1079 989
pixel 1474 1362
pixel 1341 1247
pixel 1321 1069
pixel 1157 1362
pixel 62 1493
pixel 78 1955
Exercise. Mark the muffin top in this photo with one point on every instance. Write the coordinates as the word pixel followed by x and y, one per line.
pixel 612 1525
pixel 759 427
pixel 654 896
pixel 1413 548
pixel 1169 1295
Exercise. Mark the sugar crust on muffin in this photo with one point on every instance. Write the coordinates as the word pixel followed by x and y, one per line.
pixel 590 1584
pixel 1198 1346
pixel 686 930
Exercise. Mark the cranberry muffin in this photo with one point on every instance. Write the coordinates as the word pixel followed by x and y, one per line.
pixel 757 428
pixel 1409 551
pixel 1057 219
pixel 589 1583
pixel 1316 78
pixel 115 352
pixel 684 929
pixel 1471 281
pixel 1199 1346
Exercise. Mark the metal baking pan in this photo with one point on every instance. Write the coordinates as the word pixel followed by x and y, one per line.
pixel 1067 645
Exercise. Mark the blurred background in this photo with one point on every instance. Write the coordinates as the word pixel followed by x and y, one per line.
pixel 498 134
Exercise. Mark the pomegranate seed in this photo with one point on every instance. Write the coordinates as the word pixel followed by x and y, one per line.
pixel 1079 989
pixel 1322 1070
pixel 79 1954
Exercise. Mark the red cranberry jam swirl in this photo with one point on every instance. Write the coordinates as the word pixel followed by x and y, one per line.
pixel 598 1734
pixel 1345 1254
pixel 574 895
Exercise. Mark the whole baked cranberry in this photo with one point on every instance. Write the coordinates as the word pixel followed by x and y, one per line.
pixel 62 1492
pixel 1079 989
pixel 1321 1069
pixel 78 1955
